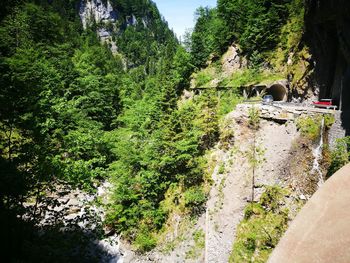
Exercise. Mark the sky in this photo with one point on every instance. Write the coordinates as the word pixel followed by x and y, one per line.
pixel 180 13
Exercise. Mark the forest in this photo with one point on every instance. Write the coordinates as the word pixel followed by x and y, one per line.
pixel 73 112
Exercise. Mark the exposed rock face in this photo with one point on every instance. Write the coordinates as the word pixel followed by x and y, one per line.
pixel 96 10
pixel 328 36
pixel 232 60
pixel 336 131
pixel 327 33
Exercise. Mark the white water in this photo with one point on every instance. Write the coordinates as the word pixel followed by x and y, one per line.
pixel 317 153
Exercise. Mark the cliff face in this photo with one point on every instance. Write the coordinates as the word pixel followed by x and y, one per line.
pixel 102 14
pixel 327 33
pixel 97 10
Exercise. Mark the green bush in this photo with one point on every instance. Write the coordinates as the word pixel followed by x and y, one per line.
pixel 221 168
pixel 194 196
pixel 252 210
pixel 254 118
pixel 340 155
pixel 263 225
pixel 328 120
pixel 145 242
pixel 202 78
pixel 271 198
pixel 310 127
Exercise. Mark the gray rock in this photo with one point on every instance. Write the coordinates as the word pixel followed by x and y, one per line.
pixel 302 197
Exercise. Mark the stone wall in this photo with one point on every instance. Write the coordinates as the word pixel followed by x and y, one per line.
pixel 337 131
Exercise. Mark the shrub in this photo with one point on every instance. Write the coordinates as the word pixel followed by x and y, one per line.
pixel 221 168
pixel 254 118
pixel 309 126
pixel 340 155
pixel 263 225
pixel 203 78
pixel 145 241
pixel 271 198
pixel 328 120
pixel 194 196
pixel 252 210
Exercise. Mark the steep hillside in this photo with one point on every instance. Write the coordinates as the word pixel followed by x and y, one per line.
pixel 304 42
pixel 118 144
pixel 74 112
pixel 294 44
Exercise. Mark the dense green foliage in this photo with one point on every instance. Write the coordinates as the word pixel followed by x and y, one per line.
pixel 207 37
pixel 310 127
pixel 263 225
pixel 340 155
pixel 257 27
pixel 147 164
pixel 70 111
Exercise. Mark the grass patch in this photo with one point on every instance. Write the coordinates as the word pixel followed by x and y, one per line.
pixel 340 155
pixel 250 77
pixel 145 241
pixel 309 126
pixel 199 244
pixel 262 227
pixel 203 77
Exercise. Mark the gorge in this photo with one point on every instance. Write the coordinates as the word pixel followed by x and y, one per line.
pixel 119 143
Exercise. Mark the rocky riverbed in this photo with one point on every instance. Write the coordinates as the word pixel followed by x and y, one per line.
pixel 75 219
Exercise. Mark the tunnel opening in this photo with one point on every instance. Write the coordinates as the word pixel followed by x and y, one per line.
pixel 278 92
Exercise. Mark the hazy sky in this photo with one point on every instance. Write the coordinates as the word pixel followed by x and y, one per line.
pixel 180 13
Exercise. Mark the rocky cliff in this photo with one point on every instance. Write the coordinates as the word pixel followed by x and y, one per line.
pixel 327 33
pixel 97 10
pixel 103 14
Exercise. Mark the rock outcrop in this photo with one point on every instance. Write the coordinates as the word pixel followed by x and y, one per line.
pixel 232 60
pixel 97 10
pixel 327 33
pixel 103 15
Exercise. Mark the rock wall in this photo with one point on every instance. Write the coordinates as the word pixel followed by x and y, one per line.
pixel 103 14
pixel 337 131
pixel 97 10
pixel 327 33
pixel 233 60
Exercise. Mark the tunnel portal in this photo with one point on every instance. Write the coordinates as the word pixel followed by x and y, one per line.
pixel 278 91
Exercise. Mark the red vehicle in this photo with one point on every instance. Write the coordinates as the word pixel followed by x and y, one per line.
pixel 325 103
